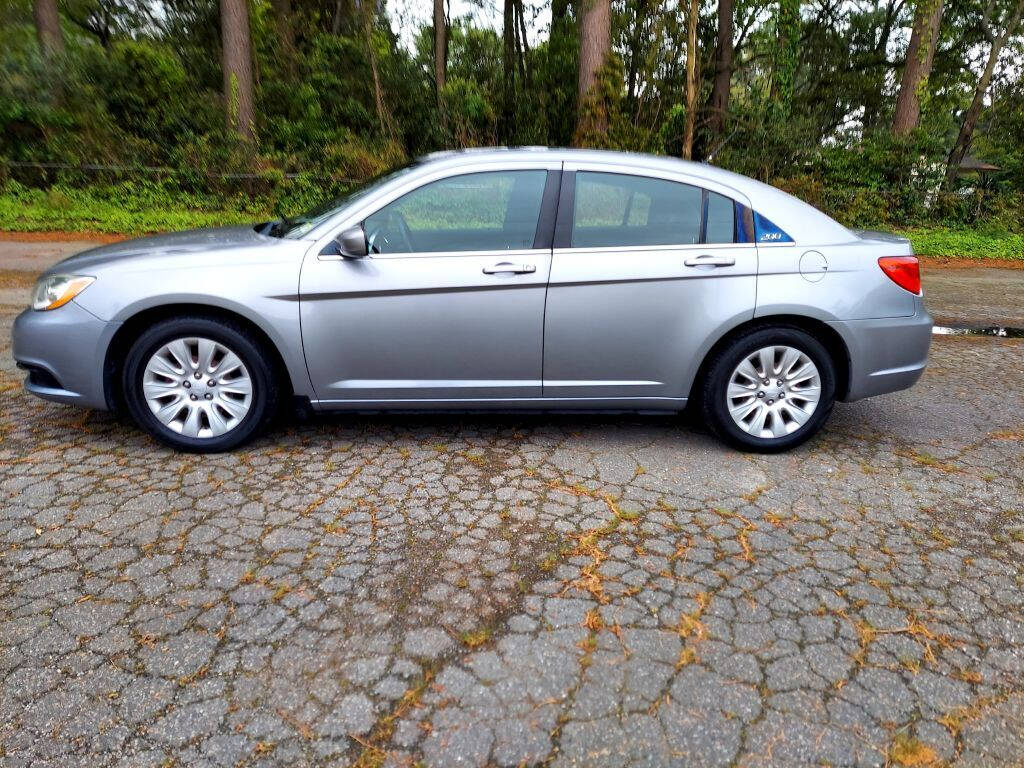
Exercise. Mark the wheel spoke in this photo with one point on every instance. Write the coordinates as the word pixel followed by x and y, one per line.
pixel 756 426
pixel 804 372
pixel 235 408
pixel 229 364
pixel 747 369
pixel 158 390
pixel 206 351
pixel 810 394
pixel 168 412
pixel 179 350
pixel 740 412
pixel 799 415
pixel 741 390
pixel 790 357
pixel 778 425
pixel 217 424
pixel 160 364
pixel 766 358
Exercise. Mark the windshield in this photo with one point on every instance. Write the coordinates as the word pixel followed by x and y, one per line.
pixel 295 227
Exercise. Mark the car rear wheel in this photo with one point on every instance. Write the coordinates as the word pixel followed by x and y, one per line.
pixel 199 384
pixel 770 389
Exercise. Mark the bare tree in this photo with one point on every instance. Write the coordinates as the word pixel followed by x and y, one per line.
pixel 997 42
pixel 440 45
pixel 723 69
pixel 924 39
pixel 595 46
pixel 51 40
pixel 691 79
pixel 237 66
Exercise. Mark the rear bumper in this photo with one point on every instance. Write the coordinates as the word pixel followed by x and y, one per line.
pixel 886 354
pixel 63 351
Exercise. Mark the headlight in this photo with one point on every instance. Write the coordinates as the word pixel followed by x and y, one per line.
pixel 55 291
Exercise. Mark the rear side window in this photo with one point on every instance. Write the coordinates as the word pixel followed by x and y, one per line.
pixel 491 211
pixel 721 221
pixel 767 232
pixel 612 209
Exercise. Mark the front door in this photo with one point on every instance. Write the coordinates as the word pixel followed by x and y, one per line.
pixel 645 270
pixel 448 306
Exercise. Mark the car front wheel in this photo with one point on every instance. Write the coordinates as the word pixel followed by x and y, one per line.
pixel 770 389
pixel 199 384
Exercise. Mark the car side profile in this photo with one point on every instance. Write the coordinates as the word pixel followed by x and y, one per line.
pixel 511 279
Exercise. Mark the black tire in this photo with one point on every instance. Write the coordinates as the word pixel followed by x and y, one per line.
pixel 241 341
pixel 712 396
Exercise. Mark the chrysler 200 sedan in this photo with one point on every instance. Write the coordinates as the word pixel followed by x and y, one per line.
pixel 500 279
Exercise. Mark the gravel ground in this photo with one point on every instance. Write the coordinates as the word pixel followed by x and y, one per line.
pixel 471 590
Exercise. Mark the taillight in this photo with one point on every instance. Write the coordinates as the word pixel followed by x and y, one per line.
pixel 904 271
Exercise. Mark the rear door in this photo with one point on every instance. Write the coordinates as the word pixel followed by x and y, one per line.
pixel 646 270
pixel 448 306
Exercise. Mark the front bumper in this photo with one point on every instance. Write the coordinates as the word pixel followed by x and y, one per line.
pixel 64 351
pixel 886 354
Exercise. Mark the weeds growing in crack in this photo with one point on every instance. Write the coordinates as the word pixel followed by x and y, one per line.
pixel 374 747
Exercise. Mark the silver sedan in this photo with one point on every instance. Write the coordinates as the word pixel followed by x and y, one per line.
pixel 501 279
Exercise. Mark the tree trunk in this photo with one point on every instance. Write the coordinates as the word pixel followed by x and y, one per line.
pixel 508 67
pixel 595 45
pixel 963 139
pixel 440 45
pixel 723 69
pixel 237 66
pixel 924 39
pixel 691 79
pixel 366 10
pixel 285 34
pixel 48 27
pixel 522 44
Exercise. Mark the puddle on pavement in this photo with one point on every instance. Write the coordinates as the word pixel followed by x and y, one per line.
pixel 998 331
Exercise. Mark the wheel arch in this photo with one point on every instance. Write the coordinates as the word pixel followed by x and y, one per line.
pixel 820 330
pixel 132 327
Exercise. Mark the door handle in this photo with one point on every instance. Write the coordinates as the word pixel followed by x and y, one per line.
pixel 507 267
pixel 707 260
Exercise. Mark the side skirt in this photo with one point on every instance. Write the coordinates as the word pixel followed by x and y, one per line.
pixel 652 405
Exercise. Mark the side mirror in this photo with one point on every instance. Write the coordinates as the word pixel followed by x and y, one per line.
pixel 352 242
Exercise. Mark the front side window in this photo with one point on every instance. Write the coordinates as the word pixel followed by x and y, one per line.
pixel 613 209
pixel 489 211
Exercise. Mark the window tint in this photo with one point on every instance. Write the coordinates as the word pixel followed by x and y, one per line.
pixel 617 209
pixel 721 223
pixel 474 212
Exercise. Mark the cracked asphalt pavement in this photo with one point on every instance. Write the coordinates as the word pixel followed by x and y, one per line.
pixel 515 590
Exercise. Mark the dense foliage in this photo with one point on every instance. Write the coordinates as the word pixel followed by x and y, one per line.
pixel 127 120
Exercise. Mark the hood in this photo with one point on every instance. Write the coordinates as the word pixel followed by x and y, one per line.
pixel 186 243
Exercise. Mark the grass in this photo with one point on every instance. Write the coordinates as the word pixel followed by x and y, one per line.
pixel 124 211
pixel 128 209
pixel 979 245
